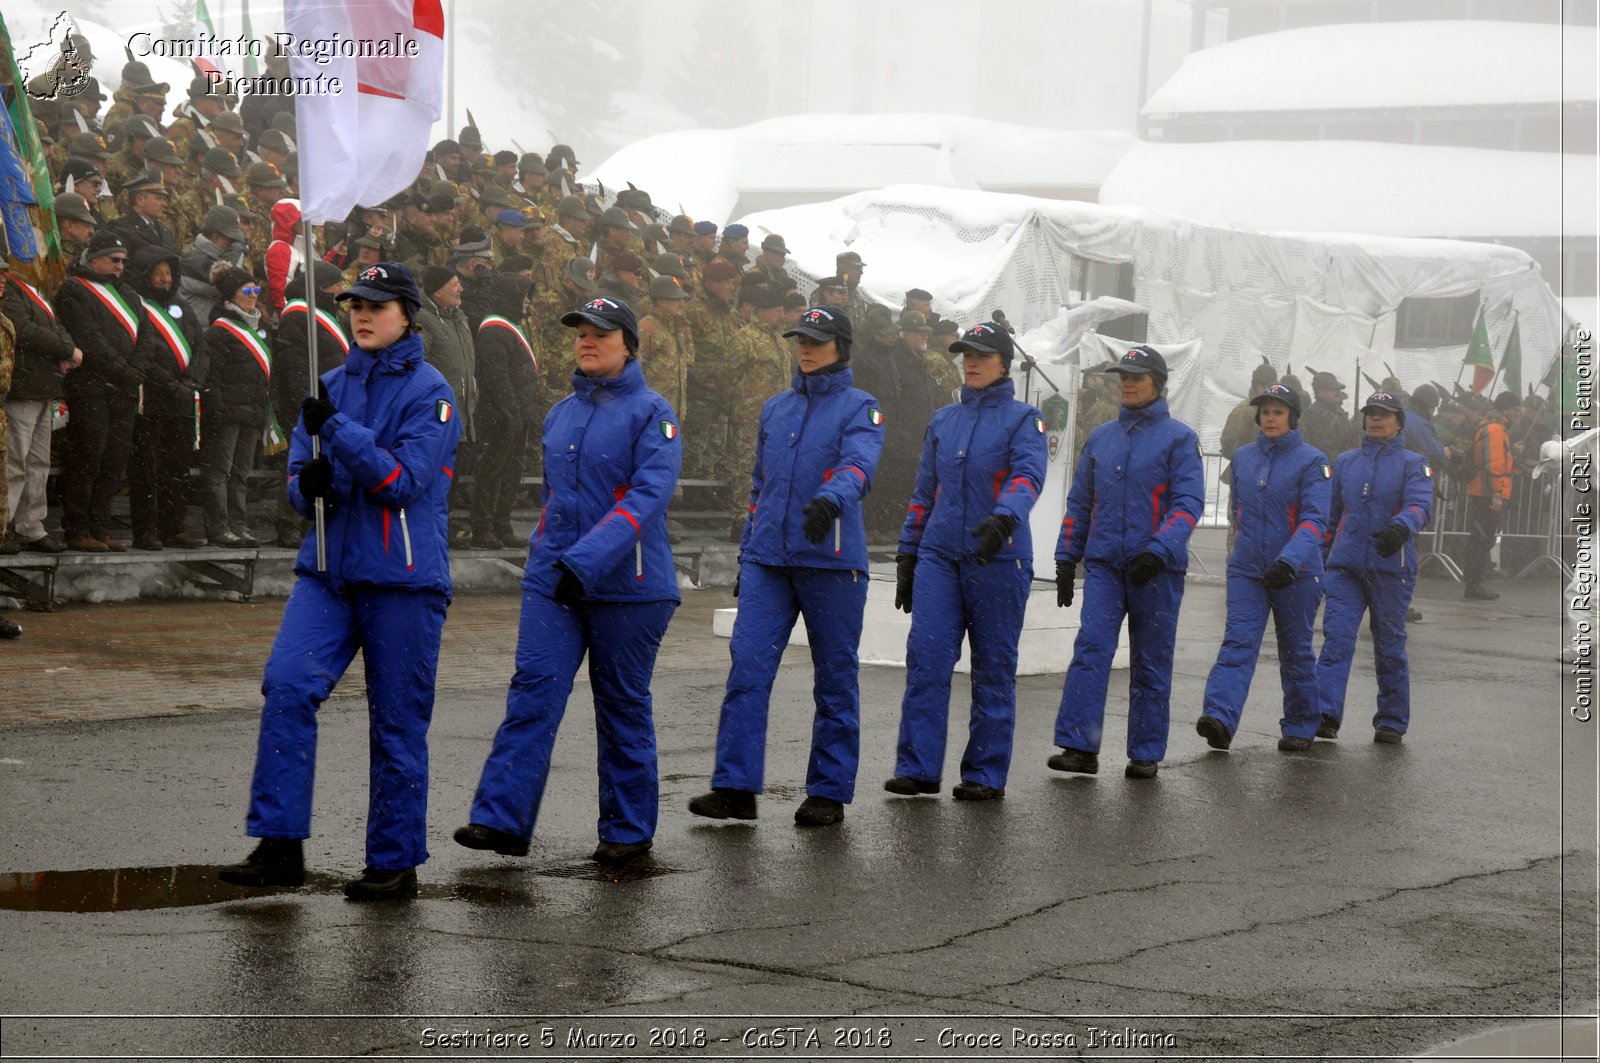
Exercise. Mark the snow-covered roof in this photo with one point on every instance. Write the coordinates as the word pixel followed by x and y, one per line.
pixel 1361 187
pixel 1442 63
pixel 707 170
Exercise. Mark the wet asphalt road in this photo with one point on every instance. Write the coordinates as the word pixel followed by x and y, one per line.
pixel 1358 900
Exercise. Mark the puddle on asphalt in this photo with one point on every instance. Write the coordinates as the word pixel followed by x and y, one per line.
pixel 133 889
pixel 1554 1039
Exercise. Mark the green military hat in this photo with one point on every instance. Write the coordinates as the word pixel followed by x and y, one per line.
pixel 481 165
pixel 371 242
pixel 229 122
pixel 264 175
pixel 945 327
pixel 848 260
pixel 831 284
pixel 89 145
pixel 656 233
pixel 224 221
pixel 161 150
pixel 765 296
pixel 571 207
pixel 665 287
pixel 140 127
pixel 220 161
pixel 145 182
pixel 914 321
pixel 442 198
pixel 669 265
pixel 494 196
pixel 595 206
pixel 530 160
pixel 774 242
pixel 283 122
pixel 634 199
pixel 681 225
pixel 275 140
pixel 72 205
pixel 240 207
pixel 154 91
pixel 616 218
pixel 580 271
pixel 1263 375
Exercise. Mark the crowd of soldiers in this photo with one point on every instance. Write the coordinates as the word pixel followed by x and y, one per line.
pixel 503 243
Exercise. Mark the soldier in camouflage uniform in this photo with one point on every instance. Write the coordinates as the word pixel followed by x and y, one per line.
pixel 507 233
pixel 195 117
pixel 764 365
pixel 568 238
pixel 76 225
pixel 917 334
pixel 849 267
pixel 415 242
pixel 165 162
pixel 1325 425
pixel 228 130
pixel 666 343
pixel 769 263
pixel 703 245
pixel 716 323
pixel 616 236
pixel 625 280
pixel 206 191
pixel 1099 400
pixel 553 340
pixel 122 167
pixel 734 248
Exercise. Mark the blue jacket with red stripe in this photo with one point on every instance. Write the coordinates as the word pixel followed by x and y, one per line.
pixel 1280 506
pixel 1139 486
pixel 1374 486
pixel 981 457
pixel 393 449
pixel 820 439
pixel 611 459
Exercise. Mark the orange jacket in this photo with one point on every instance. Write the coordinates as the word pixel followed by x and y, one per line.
pixel 1491 455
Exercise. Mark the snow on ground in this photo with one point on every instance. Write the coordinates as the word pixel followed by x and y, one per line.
pixel 1385 64
pixel 1361 187
pixel 820 156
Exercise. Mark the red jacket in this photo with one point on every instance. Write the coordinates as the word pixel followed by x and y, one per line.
pixel 283 256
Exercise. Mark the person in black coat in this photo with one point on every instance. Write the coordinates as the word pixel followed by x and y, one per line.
pixel 234 407
pixel 140 225
pixel 102 313
pixel 902 382
pixel 508 393
pixel 166 433
pixel 290 366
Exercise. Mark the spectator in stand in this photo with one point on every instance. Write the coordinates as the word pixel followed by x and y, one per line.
pixel 448 347
pixel 508 383
pixel 234 407
pixel 284 254
pixel 220 245
pixel 291 368
pixel 45 353
pixel 102 313
pixel 141 224
pixel 166 432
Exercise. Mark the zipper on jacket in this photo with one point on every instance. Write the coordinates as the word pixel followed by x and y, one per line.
pixel 405 537
pixel 638 559
pixel 837 537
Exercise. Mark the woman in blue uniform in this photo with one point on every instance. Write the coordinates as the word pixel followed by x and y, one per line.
pixel 1280 506
pixel 803 553
pixel 599 581
pixel 1382 497
pixel 964 568
pixel 388 430
pixel 1137 493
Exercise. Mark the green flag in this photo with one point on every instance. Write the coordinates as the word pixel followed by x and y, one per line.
pixel 251 67
pixel 47 268
pixel 1511 361
pixel 1480 355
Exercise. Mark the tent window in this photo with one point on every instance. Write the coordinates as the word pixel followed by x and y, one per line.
pixel 1134 328
pixel 1435 322
pixel 1090 280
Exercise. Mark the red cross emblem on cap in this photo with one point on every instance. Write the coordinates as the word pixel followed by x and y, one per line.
pixel 372 273
pixel 814 316
pixel 598 304
pixel 981 328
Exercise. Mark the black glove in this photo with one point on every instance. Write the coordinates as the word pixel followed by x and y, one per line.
pixel 992 532
pixel 316 479
pixel 1066 573
pixel 1391 539
pixel 315 412
pixel 1143 569
pixel 569 592
pixel 1279 575
pixel 819 514
pixel 905 569
pixel 736 576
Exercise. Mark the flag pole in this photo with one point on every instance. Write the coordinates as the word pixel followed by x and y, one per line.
pixel 309 272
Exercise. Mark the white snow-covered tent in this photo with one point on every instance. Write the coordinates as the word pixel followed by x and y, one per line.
pixel 1302 300
pixel 1362 186
pixel 1440 63
pixel 722 173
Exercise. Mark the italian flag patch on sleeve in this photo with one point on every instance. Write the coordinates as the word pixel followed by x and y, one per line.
pixel 669 430
pixel 1327 471
pixel 874 415
pixel 1038 423
pixel 443 411
pixel 1427 470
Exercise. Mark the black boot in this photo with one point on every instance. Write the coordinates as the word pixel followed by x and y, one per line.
pixel 274 862
pixel 725 804
pixel 382 884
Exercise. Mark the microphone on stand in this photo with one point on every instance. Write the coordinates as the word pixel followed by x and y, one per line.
pixel 999 318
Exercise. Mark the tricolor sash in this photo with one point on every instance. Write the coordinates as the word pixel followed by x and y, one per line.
pixel 499 322
pixel 252 343
pixel 33 293
pixel 170 333
pixel 113 301
pixel 325 320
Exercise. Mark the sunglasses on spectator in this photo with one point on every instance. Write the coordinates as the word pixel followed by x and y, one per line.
pixel 119 258
pixel 250 289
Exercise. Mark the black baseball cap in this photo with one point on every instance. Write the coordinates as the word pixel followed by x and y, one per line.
pixel 1283 393
pixel 1383 400
pixel 823 323
pixel 986 338
pixel 606 313
pixel 1141 359
pixel 385 281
